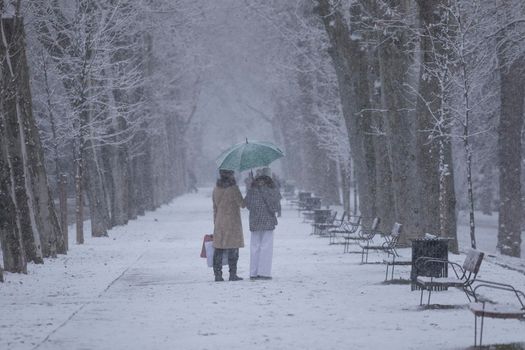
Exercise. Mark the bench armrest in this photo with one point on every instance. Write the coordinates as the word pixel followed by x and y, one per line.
pixel 367 235
pixel 349 227
pixel 501 286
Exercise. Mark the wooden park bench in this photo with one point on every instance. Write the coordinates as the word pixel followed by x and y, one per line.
pixel 335 225
pixel 388 247
pixel 346 230
pixel 322 220
pixel 464 275
pixel 341 226
pixel 363 235
pixel 484 308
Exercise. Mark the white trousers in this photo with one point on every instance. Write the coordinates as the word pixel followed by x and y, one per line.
pixel 261 252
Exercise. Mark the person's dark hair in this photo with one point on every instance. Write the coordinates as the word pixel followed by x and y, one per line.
pixel 226 179
pixel 263 180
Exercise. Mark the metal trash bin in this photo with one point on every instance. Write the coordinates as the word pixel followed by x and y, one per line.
pixel 433 248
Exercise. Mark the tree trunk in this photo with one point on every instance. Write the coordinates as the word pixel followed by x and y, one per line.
pixel 17 156
pixel 143 179
pixel 510 157
pixel 351 66
pixel 31 200
pixel 356 195
pixel 10 233
pixel 51 236
pixel 345 188
pixel 447 197
pixel 427 110
pixel 330 191
pixel 487 190
pixel 62 195
pixel 79 200
pixel 399 124
pixel 384 192
pixel 117 178
pixel 96 193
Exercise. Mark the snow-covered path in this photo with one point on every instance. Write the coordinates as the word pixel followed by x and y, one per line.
pixel 146 288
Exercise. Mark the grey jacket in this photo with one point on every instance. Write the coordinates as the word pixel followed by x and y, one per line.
pixel 263 203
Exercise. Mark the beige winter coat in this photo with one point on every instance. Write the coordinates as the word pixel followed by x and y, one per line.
pixel 227 204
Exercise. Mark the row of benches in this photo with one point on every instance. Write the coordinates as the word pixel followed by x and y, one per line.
pixel 350 230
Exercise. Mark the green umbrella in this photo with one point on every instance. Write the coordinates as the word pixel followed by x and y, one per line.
pixel 248 155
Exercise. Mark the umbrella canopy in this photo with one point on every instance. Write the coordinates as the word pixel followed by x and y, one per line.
pixel 248 155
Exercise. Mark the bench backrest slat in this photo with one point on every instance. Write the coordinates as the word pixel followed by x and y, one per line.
pixel 473 261
pixel 334 216
pixel 394 235
pixel 396 229
pixel 375 224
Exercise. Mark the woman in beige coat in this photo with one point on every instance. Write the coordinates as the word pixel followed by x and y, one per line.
pixel 227 233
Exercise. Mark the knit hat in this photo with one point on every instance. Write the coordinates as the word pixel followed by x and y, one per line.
pixel 225 172
pixel 266 171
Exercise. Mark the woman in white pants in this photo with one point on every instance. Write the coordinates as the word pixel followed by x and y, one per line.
pixel 263 202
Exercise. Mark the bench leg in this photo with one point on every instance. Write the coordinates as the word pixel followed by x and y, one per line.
pixel 393 267
pixel 421 298
pixel 481 331
pixel 332 237
pixel 475 330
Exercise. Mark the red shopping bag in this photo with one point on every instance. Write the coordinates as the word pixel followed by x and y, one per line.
pixel 207 238
pixel 207 251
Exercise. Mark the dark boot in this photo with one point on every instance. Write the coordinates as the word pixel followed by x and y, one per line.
pixel 233 257
pixel 217 265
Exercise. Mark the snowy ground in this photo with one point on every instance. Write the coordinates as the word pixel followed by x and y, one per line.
pixel 145 287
